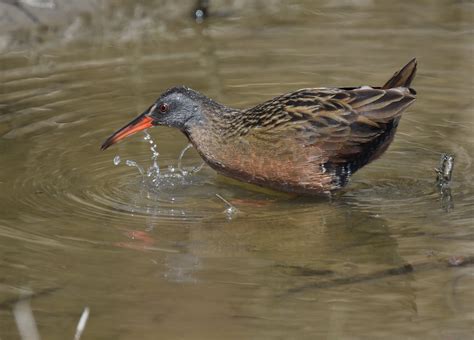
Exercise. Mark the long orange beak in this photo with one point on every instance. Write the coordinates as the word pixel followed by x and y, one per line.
pixel 140 123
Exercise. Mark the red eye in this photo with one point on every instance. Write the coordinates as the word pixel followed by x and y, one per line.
pixel 164 108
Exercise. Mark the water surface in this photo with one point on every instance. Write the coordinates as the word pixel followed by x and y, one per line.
pixel 167 260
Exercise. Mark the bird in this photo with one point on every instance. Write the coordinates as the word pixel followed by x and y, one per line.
pixel 310 141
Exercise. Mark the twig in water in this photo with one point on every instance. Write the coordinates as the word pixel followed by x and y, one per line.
pixel 404 269
pixel 20 7
pixel 25 321
pixel 81 325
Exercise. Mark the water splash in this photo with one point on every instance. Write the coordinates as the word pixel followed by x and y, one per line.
pixel 230 211
pixel 180 160
pixel 154 170
pixel 173 175
pixel 167 177
pixel 131 163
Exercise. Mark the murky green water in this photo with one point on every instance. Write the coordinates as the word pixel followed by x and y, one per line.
pixel 166 261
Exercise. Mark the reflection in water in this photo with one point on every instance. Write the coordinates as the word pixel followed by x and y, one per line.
pixel 181 267
pixel 294 253
pixel 165 258
pixel 446 198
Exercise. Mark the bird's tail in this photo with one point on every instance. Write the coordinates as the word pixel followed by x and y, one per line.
pixel 404 77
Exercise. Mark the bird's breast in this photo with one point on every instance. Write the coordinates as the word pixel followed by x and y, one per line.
pixel 281 165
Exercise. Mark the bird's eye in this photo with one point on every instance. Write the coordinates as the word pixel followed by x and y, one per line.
pixel 164 108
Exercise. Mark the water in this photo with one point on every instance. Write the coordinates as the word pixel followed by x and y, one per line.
pixel 79 228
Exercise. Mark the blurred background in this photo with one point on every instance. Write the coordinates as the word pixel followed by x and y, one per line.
pixel 157 254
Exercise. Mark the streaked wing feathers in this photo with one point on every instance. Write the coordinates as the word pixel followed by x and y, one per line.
pixel 340 122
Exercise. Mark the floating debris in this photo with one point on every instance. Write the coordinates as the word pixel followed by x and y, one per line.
pixel 231 211
pixel 117 160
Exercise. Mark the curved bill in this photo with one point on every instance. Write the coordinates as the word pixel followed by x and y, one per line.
pixel 140 123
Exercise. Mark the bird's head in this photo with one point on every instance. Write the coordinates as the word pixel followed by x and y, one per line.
pixel 177 107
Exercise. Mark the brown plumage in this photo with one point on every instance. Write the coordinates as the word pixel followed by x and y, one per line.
pixel 308 141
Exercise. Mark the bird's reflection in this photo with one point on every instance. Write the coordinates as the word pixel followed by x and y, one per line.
pixel 271 255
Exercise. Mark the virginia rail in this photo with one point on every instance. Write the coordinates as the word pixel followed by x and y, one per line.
pixel 309 141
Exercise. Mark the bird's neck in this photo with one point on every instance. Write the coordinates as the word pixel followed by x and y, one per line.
pixel 217 120
pixel 218 127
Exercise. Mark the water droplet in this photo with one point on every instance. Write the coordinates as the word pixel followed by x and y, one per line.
pixel 153 171
pixel 180 159
pixel 231 212
pixel 117 160
pixel 134 164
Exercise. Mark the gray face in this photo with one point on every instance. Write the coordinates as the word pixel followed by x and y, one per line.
pixel 178 107
pixel 174 108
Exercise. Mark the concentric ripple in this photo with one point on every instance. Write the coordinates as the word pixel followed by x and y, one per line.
pixel 102 190
pixel 412 189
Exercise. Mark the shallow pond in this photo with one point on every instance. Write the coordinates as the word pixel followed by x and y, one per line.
pixel 163 256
